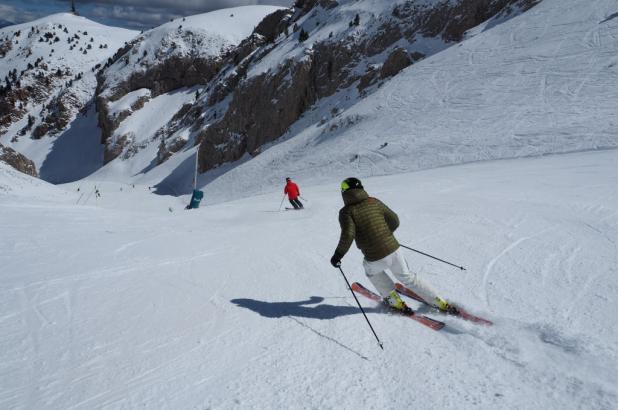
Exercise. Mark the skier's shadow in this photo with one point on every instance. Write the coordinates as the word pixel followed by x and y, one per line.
pixel 299 309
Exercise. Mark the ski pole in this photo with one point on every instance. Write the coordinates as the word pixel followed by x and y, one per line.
pixel 281 202
pixel 433 257
pixel 361 308
pixel 303 198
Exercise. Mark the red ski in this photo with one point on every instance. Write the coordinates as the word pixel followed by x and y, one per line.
pixel 427 321
pixel 460 311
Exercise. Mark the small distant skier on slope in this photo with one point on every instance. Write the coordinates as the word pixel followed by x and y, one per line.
pixel 293 192
pixel 371 224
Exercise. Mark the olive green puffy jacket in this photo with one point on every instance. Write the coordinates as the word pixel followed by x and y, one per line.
pixel 370 223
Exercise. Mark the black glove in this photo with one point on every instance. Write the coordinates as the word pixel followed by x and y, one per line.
pixel 336 260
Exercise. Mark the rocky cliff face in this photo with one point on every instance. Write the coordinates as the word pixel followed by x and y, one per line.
pixel 17 161
pixel 313 57
pixel 180 54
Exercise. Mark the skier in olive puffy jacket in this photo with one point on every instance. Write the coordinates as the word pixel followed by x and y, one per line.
pixel 371 224
pixel 293 192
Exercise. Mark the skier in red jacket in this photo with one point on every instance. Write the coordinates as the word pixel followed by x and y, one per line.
pixel 293 192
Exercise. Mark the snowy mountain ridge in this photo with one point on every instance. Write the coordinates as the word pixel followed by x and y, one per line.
pixel 49 71
pixel 528 81
pixel 205 35
pixel 320 56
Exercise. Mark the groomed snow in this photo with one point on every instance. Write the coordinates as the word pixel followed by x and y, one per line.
pixel 120 303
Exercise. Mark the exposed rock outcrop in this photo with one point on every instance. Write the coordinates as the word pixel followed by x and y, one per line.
pixel 168 143
pixel 272 25
pixel 290 92
pixel 17 161
pixel 396 61
pixel 5 47
pixel 60 111
pixel 14 100
pixel 171 74
pixel 450 20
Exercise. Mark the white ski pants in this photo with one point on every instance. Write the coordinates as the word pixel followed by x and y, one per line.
pixel 395 263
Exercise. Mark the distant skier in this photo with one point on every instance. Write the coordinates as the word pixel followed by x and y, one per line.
pixel 293 192
pixel 371 224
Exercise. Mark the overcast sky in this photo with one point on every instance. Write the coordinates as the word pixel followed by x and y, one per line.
pixel 136 14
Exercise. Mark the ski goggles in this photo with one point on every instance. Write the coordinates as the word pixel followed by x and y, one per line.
pixel 344 186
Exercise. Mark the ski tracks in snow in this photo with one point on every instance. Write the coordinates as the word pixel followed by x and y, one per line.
pixel 489 267
pixel 544 354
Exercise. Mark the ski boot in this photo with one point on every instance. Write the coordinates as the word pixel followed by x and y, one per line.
pixel 394 302
pixel 446 307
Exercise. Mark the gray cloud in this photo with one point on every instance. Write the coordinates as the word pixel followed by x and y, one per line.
pixel 131 16
pixel 149 13
pixel 136 14
pixel 16 15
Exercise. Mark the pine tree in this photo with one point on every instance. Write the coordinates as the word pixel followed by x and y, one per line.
pixel 303 35
pixel 355 22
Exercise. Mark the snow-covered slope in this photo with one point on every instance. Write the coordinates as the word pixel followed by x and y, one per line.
pixel 17 185
pixel 28 48
pixel 123 304
pixel 51 64
pixel 542 82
